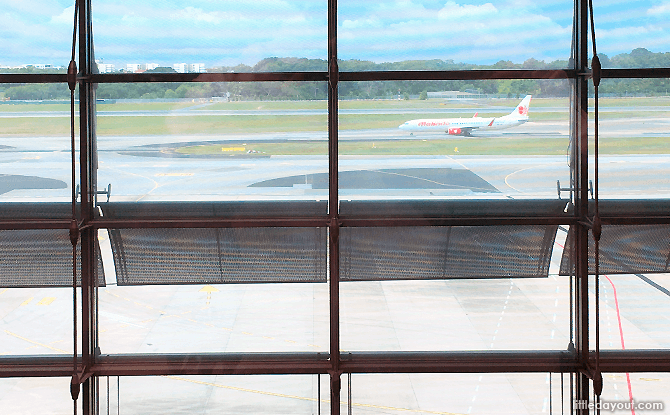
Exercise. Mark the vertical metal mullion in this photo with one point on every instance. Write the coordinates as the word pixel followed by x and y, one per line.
pixel 581 200
pixel 88 235
pixel 333 211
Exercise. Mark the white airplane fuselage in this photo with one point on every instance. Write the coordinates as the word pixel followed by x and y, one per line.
pixel 466 126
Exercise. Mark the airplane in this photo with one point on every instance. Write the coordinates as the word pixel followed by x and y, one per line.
pixel 466 126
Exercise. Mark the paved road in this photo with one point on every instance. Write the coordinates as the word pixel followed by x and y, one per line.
pixel 143 167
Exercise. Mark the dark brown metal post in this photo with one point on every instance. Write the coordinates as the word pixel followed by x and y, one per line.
pixel 87 235
pixel 581 202
pixel 333 213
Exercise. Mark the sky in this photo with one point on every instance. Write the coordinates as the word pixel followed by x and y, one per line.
pixel 228 33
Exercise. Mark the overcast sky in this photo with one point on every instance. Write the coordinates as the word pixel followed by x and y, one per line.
pixel 245 31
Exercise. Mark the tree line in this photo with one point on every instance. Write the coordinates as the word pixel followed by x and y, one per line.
pixel 638 58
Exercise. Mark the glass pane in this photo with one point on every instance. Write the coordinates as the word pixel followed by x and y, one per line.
pixel 37 396
pixel 294 394
pixel 214 318
pixel 503 393
pixel 632 34
pixel 35 161
pixel 36 321
pixel 136 36
pixel 494 314
pixel 633 142
pixel 431 34
pixel 647 392
pixel 630 306
pixel 212 141
pixel 36 36
pixel 422 140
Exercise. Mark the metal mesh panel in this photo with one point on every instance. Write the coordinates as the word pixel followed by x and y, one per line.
pixel 40 258
pixel 225 255
pixel 445 252
pixel 627 249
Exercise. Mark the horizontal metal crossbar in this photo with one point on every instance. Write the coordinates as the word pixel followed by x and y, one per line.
pixel 356 362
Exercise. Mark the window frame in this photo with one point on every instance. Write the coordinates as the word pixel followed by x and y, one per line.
pixel 577 361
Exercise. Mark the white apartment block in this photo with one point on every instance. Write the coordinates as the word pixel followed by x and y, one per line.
pixel 106 67
pixel 197 68
pixel 189 68
pixel 140 67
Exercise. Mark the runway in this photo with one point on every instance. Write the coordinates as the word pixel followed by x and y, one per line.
pixel 496 314
pixel 145 167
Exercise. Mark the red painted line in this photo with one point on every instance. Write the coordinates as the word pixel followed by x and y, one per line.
pixel 623 347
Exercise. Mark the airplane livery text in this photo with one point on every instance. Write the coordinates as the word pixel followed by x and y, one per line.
pixel 466 126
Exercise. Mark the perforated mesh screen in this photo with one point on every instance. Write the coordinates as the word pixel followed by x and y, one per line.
pixel 40 258
pixel 226 255
pixel 445 252
pixel 631 249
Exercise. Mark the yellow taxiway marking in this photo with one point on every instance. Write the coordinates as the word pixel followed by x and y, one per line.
pixel 209 290
pixel 27 301
pixel 3 291
pixel 46 300
pixel 303 398
pixel 36 343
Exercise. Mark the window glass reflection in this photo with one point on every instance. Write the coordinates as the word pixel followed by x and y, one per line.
pixel 138 36
pixel 411 35
pixel 212 141
pixel 453 139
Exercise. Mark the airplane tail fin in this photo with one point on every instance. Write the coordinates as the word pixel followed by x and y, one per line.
pixel 521 110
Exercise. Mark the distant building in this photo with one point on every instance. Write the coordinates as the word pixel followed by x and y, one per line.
pixel 197 68
pixel 189 68
pixel 140 67
pixel 133 67
pixel 106 67
pixel 180 67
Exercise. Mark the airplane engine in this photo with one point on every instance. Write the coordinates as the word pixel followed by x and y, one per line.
pixel 454 131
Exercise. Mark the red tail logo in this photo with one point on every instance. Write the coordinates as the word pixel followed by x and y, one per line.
pixel 523 110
